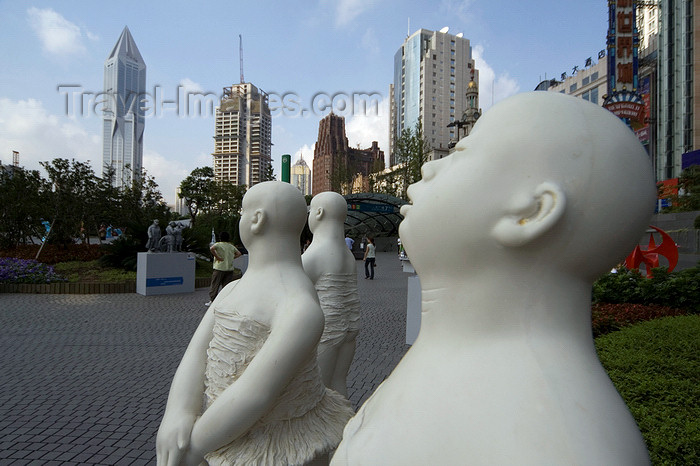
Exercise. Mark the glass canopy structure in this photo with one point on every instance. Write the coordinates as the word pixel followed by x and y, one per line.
pixel 372 214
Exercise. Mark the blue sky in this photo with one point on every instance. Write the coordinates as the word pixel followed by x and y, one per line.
pixel 309 50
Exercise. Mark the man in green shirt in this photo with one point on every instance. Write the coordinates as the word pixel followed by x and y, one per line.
pixel 224 253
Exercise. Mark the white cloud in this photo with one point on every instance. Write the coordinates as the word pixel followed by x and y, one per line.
pixel 371 126
pixel 492 88
pixel 347 10
pixel 308 152
pixel 458 8
pixel 27 127
pixel 370 42
pixel 58 36
pixel 202 159
pixel 190 86
pixel 39 136
pixel 167 173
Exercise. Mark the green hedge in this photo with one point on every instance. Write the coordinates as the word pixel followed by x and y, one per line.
pixel 677 289
pixel 655 366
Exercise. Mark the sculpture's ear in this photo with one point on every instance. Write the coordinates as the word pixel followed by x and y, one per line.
pixel 258 221
pixel 531 216
pixel 318 213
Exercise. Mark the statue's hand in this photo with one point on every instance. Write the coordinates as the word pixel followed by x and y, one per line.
pixel 193 459
pixel 173 438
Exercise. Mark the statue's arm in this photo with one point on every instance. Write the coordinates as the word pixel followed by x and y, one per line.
pixel 310 263
pixel 185 397
pixel 294 335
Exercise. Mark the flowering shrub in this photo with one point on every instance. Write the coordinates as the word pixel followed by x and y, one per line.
pixel 13 270
pixel 53 254
pixel 607 317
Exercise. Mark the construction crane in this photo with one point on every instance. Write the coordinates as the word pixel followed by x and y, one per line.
pixel 240 55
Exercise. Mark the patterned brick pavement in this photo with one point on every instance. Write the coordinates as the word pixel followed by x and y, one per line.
pixel 85 377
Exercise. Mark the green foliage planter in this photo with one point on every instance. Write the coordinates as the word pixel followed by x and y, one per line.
pixel 655 366
pixel 122 253
pixel 677 289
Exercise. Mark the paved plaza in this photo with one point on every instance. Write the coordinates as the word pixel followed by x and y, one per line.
pixel 85 378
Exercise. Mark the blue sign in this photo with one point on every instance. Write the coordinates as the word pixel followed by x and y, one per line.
pixel 164 281
pixel 366 207
pixel 690 158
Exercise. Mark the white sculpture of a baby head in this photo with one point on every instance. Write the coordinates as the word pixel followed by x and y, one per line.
pixel 327 205
pixel 507 234
pixel 543 179
pixel 271 209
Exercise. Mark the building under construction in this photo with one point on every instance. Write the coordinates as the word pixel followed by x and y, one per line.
pixel 243 135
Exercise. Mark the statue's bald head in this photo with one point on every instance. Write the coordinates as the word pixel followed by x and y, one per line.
pixel 283 206
pixel 599 167
pixel 327 206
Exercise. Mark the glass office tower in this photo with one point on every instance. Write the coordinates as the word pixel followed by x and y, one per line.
pixel 123 112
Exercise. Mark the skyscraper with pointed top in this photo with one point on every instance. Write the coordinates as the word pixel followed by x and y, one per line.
pixel 123 113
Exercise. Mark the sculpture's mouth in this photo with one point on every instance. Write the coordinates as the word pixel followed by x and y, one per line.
pixel 405 208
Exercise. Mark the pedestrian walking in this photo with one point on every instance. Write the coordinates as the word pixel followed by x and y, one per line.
pixel 349 242
pixel 370 259
pixel 224 253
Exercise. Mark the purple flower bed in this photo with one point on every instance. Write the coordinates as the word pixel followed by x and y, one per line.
pixel 13 270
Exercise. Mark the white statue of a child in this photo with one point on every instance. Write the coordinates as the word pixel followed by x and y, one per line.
pixel 507 235
pixel 331 267
pixel 253 357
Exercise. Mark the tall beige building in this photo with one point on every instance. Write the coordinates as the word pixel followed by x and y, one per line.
pixel 648 26
pixel 243 136
pixel 301 176
pixel 432 72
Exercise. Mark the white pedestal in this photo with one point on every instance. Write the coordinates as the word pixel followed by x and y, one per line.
pixel 165 273
pixel 413 307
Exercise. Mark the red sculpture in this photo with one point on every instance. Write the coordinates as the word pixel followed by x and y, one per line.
pixel 650 256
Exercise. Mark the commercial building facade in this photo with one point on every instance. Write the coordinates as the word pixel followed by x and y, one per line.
pixel 589 83
pixel 243 136
pixel 338 166
pixel 679 90
pixel 123 113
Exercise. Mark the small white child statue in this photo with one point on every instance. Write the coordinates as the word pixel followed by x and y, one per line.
pixel 508 234
pixel 252 360
pixel 331 267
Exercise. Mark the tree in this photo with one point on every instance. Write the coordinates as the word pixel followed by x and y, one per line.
pixel 73 190
pixel 687 197
pixel 342 174
pixel 227 198
pixel 140 204
pixel 23 201
pixel 197 191
pixel 412 151
pixel 268 173
pixel 391 183
pixel 689 185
